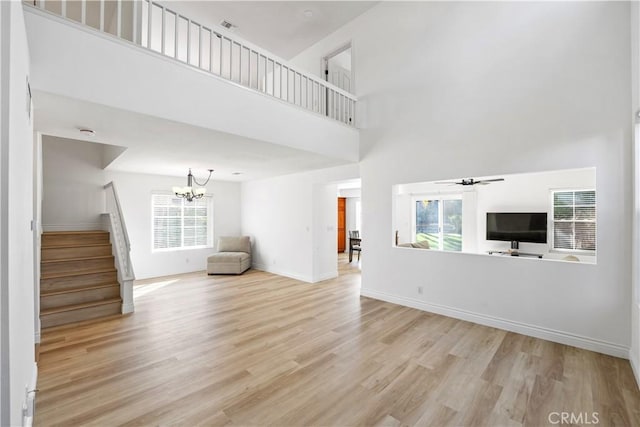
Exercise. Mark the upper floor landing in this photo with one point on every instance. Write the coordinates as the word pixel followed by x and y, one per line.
pixel 141 57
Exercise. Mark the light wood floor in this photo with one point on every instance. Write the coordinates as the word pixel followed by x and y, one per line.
pixel 261 349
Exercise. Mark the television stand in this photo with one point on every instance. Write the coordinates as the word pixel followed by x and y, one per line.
pixel 510 253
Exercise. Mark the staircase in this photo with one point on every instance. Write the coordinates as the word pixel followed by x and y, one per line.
pixel 78 279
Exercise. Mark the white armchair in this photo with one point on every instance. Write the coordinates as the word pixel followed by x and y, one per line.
pixel 233 256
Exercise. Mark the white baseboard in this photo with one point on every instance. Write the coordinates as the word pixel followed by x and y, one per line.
pixel 508 325
pixel 319 278
pixel 89 226
pixel 296 276
pixel 325 276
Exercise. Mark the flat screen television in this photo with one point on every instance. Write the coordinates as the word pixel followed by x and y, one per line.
pixel 530 227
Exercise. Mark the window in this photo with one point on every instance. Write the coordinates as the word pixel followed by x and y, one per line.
pixel 439 221
pixel 574 220
pixel 179 224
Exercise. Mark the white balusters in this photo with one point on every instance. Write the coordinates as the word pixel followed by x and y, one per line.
pixel 117 228
pixel 165 31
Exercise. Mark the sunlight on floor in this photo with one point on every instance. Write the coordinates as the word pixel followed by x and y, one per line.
pixel 141 290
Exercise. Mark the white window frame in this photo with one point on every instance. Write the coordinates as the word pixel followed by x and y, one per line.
pixel 551 223
pixel 426 196
pixel 210 224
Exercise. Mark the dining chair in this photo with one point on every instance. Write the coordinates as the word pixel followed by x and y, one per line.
pixel 355 244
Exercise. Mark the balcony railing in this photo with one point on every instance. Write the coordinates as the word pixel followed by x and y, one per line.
pixel 155 27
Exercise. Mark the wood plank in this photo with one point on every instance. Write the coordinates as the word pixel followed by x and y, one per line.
pixel 261 349
pixel 79 312
pixel 78 251
pixel 71 238
pixel 57 268
pixel 79 295
pixel 61 282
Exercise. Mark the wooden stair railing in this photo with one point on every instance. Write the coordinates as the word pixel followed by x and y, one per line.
pixel 78 278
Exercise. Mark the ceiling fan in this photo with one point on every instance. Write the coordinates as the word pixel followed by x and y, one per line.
pixel 471 181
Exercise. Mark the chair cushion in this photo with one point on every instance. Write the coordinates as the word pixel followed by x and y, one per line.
pixel 234 244
pixel 228 257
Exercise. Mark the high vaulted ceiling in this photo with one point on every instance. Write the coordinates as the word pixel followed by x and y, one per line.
pixel 154 145
pixel 284 28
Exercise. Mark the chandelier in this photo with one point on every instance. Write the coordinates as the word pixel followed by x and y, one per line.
pixel 189 192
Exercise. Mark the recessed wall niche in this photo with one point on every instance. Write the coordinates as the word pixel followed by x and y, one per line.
pixel 548 215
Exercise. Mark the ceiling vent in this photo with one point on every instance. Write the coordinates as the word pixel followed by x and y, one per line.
pixel 228 25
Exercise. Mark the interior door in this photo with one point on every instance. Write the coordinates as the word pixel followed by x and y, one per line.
pixel 341 223
pixel 339 76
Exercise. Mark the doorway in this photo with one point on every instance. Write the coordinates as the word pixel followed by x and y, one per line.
pixel 349 195
pixel 337 69
pixel 342 218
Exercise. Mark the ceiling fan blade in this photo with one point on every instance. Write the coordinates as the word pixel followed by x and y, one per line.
pixel 447 182
pixel 489 180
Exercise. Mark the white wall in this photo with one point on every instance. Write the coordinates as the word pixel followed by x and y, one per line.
pixel 16 206
pixel 292 220
pixel 325 228
pixel 77 165
pixel 135 191
pixel 73 196
pixel 479 89
pixel 634 353
pixel 5 404
pixel 350 218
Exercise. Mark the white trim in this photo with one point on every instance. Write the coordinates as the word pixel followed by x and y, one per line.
pixel 89 226
pixel 278 272
pixel 635 366
pixel 37 230
pixel 30 396
pixel 324 65
pixel 507 325
pixel 5 88
pixel 127 308
pixel 325 276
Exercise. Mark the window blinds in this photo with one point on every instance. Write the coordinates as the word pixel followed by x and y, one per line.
pixel 574 220
pixel 179 224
